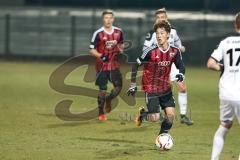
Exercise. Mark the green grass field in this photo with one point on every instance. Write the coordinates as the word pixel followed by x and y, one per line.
pixel 29 129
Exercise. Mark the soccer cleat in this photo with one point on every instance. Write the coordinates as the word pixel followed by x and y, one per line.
pixel 186 120
pixel 102 117
pixel 138 119
pixel 108 106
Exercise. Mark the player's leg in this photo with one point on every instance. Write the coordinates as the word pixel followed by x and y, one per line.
pixel 153 108
pixel 142 113
pixel 116 79
pixel 182 96
pixel 182 101
pixel 168 105
pixel 226 118
pixel 237 110
pixel 168 120
pixel 101 82
pixel 153 112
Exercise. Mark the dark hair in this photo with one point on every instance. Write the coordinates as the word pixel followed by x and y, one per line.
pixel 108 11
pixel 161 10
pixel 237 20
pixel 162 24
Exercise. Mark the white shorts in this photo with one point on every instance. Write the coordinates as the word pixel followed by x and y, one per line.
pixel 174 72
pixel 229 109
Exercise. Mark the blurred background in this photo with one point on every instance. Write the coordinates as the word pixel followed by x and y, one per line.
pixel 59 29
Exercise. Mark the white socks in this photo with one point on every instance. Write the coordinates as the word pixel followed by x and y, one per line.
pixel 182 101
pixel 218 142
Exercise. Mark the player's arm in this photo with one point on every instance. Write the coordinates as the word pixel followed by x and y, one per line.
pixel 180 66
pixel 213 62
pixel 178 42
pixel 121 43
pixel 144 57
pixel 121 47
pixel 133 86
pixel 93 45
pixel 149 40
pixel 214 65
pixel 140 61
pixel 93 51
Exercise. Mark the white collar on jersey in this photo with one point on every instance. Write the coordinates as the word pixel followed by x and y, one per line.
pixel 107 31
pixel 163 50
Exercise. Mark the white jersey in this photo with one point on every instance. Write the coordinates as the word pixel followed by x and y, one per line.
pixel 151 39
pixel 174 40
pixel 228 52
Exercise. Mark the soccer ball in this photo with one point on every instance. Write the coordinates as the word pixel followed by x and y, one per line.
pixel 164 141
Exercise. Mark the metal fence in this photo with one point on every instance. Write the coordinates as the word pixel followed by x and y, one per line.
pixel 66 33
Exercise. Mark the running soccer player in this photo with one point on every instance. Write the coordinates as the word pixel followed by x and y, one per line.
pixel 156 82
pixel 106 45
pixel 227 52
pixel 174 40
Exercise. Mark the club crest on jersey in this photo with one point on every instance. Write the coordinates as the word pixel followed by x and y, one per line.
pixel 156 56
pixel 171 54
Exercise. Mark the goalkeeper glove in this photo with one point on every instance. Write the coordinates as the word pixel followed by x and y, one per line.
pixel 132 89
pixel 179 77
pixel 104 58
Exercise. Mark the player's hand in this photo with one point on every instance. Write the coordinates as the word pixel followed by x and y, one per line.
pixel 221 67
pixel 132 89
pixel 182 49
pixel 104 58
pixel 179 77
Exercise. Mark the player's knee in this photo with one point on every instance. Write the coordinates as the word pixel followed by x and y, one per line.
pixel 227 124
pixel 115 92
pixel 102 93
pixel 170 117
pixel 153 117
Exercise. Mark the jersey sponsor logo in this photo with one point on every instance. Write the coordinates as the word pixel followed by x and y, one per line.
pixel 234 70
pixel 116 34
pixel 104 38
pixel 110 44
pixel 164 63
pixel 236 41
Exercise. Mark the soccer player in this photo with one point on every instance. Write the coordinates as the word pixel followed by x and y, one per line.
pixel 156 82
pixel 174 40
pixel 106 45
pixel 227 52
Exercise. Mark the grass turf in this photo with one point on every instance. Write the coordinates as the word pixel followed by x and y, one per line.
pixel 30 130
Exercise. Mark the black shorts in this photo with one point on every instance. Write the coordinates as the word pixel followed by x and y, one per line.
pixel 155 102
pixel 114 76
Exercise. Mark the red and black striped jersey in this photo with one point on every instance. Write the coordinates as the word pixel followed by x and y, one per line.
pixel 157 67
pixel 107 44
